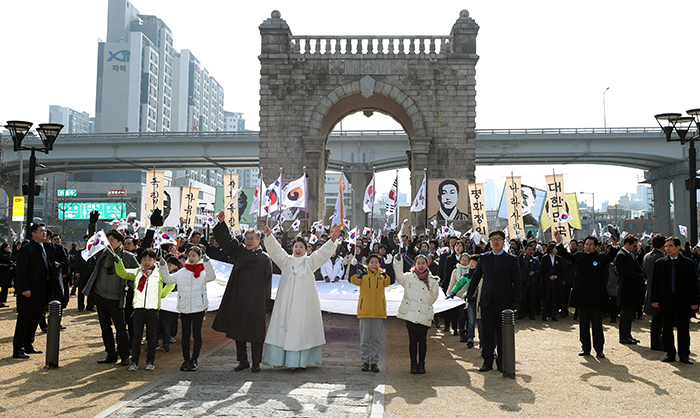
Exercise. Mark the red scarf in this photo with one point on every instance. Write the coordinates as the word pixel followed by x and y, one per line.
pixel 195 268
pixel 145 274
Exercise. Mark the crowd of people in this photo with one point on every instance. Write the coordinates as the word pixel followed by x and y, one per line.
pixel 126 281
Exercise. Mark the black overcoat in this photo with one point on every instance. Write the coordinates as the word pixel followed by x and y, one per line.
pixel 589 290
pixel 630 279
pixel 7 269
pixel 502 289
pixel 243 307
pixel 686 285
pixel 33 275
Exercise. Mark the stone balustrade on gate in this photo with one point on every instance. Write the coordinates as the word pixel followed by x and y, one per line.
pixel 398 46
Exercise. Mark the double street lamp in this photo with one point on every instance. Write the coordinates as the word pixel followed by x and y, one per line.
pixel 670 122
pixel 48 132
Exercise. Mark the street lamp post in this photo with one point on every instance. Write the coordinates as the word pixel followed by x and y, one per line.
pixel 592 205
pixel 48 132
pixel 670 122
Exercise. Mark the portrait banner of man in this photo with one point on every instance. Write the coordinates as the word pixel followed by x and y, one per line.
pixel 245 199
pixel 448 200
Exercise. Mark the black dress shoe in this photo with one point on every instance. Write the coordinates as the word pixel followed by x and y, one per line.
pixel 421 368
pixel 62 327
pixel 20 354
pixel 32 350
pixel 628 341
pixel 125 361
pixel 669 358
pixel 600 354
pixel 686 360
pixel 584 353
pixel 414 369
pixel 635 340
pixel 107 360
pixel 255 368
pixel 486 367
pixel 241 366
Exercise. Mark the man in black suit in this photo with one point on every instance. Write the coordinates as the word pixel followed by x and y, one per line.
pixel 36 283
pixel 650 258
pixel 630 279
pixel 674 291
pixel 501 290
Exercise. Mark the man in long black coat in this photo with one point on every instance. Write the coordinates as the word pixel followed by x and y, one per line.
pixel 36 282
pixel 674 291
pixel 630 278
pixel 243 307
pixel 501 290
pixel 650 258
pixel 589 294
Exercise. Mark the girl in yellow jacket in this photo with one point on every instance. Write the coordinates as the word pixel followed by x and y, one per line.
pixel 420 292
pixel 371 309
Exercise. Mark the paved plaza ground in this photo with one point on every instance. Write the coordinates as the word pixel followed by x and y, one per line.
pixel 552 380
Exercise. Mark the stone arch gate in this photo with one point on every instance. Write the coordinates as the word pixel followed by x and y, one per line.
pixel 309 83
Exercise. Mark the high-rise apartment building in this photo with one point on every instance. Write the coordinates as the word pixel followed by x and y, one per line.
pixel 234 121
pixel 144 85
pixel 73 122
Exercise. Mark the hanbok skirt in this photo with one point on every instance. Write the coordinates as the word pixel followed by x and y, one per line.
pixel 278 356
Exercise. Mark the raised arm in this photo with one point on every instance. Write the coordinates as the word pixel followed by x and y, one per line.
pixel 126 274
pixel 275 250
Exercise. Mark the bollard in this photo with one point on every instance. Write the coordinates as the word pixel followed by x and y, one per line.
pixel 508 340
pixel 53 334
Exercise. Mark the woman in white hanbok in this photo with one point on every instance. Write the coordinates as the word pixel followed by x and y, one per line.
pixel 295 333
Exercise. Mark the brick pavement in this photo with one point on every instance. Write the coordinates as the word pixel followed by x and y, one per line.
pixel 337 388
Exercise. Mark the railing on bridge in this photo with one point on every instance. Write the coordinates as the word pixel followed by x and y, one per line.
pixel 568 131
pixel 370 45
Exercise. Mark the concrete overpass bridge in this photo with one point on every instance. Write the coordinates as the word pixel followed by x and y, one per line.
pixel 359 151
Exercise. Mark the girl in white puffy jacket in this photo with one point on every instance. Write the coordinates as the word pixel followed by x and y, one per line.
pixel 420 292
pixel 192 301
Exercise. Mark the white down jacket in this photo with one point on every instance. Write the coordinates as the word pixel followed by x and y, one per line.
pixel 417 303
pixel 191 291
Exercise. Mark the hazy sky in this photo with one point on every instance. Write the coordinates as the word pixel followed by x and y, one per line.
pixel 543 64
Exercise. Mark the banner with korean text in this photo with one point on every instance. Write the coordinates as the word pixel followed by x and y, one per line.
pixel 478 208
pixel 556 203
pixel 515 207
pixel 155 192
pixel 231 191
pixel 188 205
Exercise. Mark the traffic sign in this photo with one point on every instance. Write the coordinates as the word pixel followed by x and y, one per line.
pixel 67 192
pixel 76 210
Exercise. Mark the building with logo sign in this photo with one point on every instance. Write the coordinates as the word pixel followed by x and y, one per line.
pixel 145 85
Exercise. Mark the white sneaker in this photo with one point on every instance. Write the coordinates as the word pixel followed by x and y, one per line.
pixel 133 367
pixel 150 366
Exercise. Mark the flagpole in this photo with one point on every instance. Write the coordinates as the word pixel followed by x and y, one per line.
pixel 425 208
pixel 306 203
pixel 374 187
pixel 396 207
pixel 279 199
pixel 259 196
pixel 342 201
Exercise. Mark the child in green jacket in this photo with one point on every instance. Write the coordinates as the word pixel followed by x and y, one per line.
pixel 149 289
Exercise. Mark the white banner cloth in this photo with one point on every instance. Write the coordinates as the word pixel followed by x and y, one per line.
pixel 340 297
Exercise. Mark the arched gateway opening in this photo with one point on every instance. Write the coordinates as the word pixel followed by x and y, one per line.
pixel 309 83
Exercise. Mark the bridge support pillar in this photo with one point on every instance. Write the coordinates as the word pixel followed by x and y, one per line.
pixel 316 165
pixel 681 205
pixel 359 180
pixel 662 206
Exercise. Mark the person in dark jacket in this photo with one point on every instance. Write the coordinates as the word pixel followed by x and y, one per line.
pixel 530 268
pixel 674 292
pixel 243 307
pixel 589 294
pixel 630 277
pixel 36 282
pixel 7 272
pixel 552 273
pixel 110 292
pixel 501 290
pixel 657 242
